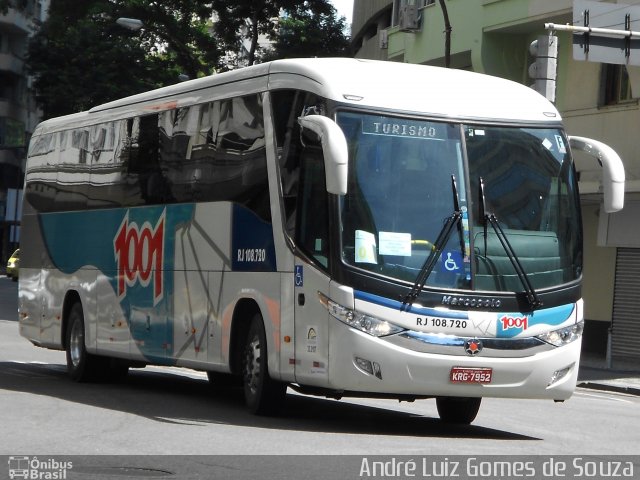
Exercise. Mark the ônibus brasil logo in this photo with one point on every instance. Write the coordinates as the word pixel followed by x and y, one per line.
pixel 139 252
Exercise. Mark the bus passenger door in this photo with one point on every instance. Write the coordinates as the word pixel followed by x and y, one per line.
pixel 311 275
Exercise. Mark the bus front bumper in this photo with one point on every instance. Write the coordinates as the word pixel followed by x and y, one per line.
pixel 362 363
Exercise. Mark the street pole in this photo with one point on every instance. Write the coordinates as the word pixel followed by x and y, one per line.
pixel 447 37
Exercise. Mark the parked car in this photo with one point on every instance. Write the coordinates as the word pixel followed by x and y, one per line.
pixel 13 265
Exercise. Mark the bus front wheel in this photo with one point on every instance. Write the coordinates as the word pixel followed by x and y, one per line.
pixel 458 410
pixel 263 395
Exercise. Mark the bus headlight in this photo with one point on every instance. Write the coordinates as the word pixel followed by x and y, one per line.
pixel 563 336
pixel 366 323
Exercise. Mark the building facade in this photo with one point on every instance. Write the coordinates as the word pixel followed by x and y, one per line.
pixel 596 100
pixel 18 114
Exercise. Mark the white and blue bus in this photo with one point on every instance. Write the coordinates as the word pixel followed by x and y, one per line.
pixel 336 226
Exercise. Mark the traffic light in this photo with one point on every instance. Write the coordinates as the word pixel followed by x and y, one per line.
pixel 545 52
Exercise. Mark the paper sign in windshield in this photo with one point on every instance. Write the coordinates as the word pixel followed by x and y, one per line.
pixel 393 243
pixel 365 247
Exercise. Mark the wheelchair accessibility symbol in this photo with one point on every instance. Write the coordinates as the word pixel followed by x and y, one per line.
pixel 452 262
pixel 299 277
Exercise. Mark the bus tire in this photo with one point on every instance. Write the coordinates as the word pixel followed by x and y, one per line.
pixel 81 365
pixel 263 395
pixel 458 410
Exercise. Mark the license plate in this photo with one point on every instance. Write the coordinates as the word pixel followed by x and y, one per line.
pixel 470 375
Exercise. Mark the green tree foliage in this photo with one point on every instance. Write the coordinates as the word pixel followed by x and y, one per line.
pixel 245 20
pixel 80 57
pixel 183 27
pixel 304 32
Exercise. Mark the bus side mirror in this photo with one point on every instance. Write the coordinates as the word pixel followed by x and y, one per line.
pixel 334 149
pixel 613 176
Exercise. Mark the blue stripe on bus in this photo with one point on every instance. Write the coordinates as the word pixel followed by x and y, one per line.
pixel 509 324
pixel 512 324
pixel 252 246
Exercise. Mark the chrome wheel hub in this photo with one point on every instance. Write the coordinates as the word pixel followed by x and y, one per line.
pixel 252 365
pixel 76 341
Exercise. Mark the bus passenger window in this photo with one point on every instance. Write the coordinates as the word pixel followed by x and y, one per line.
pixel 143 159
pixel 72 188
pixel 179 174
pixel 107 165
pixel 287 106
pixel 313 216
pixel 41 184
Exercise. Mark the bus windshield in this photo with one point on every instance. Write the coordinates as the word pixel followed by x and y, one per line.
pixel 400 195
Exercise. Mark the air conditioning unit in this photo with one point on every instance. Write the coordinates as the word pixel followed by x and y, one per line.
pixel 409 19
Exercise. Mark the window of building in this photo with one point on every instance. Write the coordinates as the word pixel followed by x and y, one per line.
pixel 11 133
pixel 615 85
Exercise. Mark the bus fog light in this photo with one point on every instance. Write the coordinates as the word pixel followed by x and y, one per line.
pixel 560 374
pixel 367 366
pixel 364 365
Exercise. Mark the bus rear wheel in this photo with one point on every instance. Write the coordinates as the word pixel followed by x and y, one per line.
pixel 458 410
pixel 263 395
pixel 81 365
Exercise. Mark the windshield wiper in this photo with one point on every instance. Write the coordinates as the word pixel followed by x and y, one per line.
pixel 490 218
pixel 443 237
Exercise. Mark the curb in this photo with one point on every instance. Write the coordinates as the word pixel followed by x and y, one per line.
pixel 610 388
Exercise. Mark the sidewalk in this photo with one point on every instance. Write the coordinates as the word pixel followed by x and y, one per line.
pixel 622 377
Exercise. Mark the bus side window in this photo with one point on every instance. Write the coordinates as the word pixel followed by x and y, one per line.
pixel 41 185
pixel 177 178
pixel 111 184
pixel 302 179
pixel 72 189
pixel 286 107
pixel 241 166
pixel 143 159
pixel 222 156
pixel 312 233
pixel 194 174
